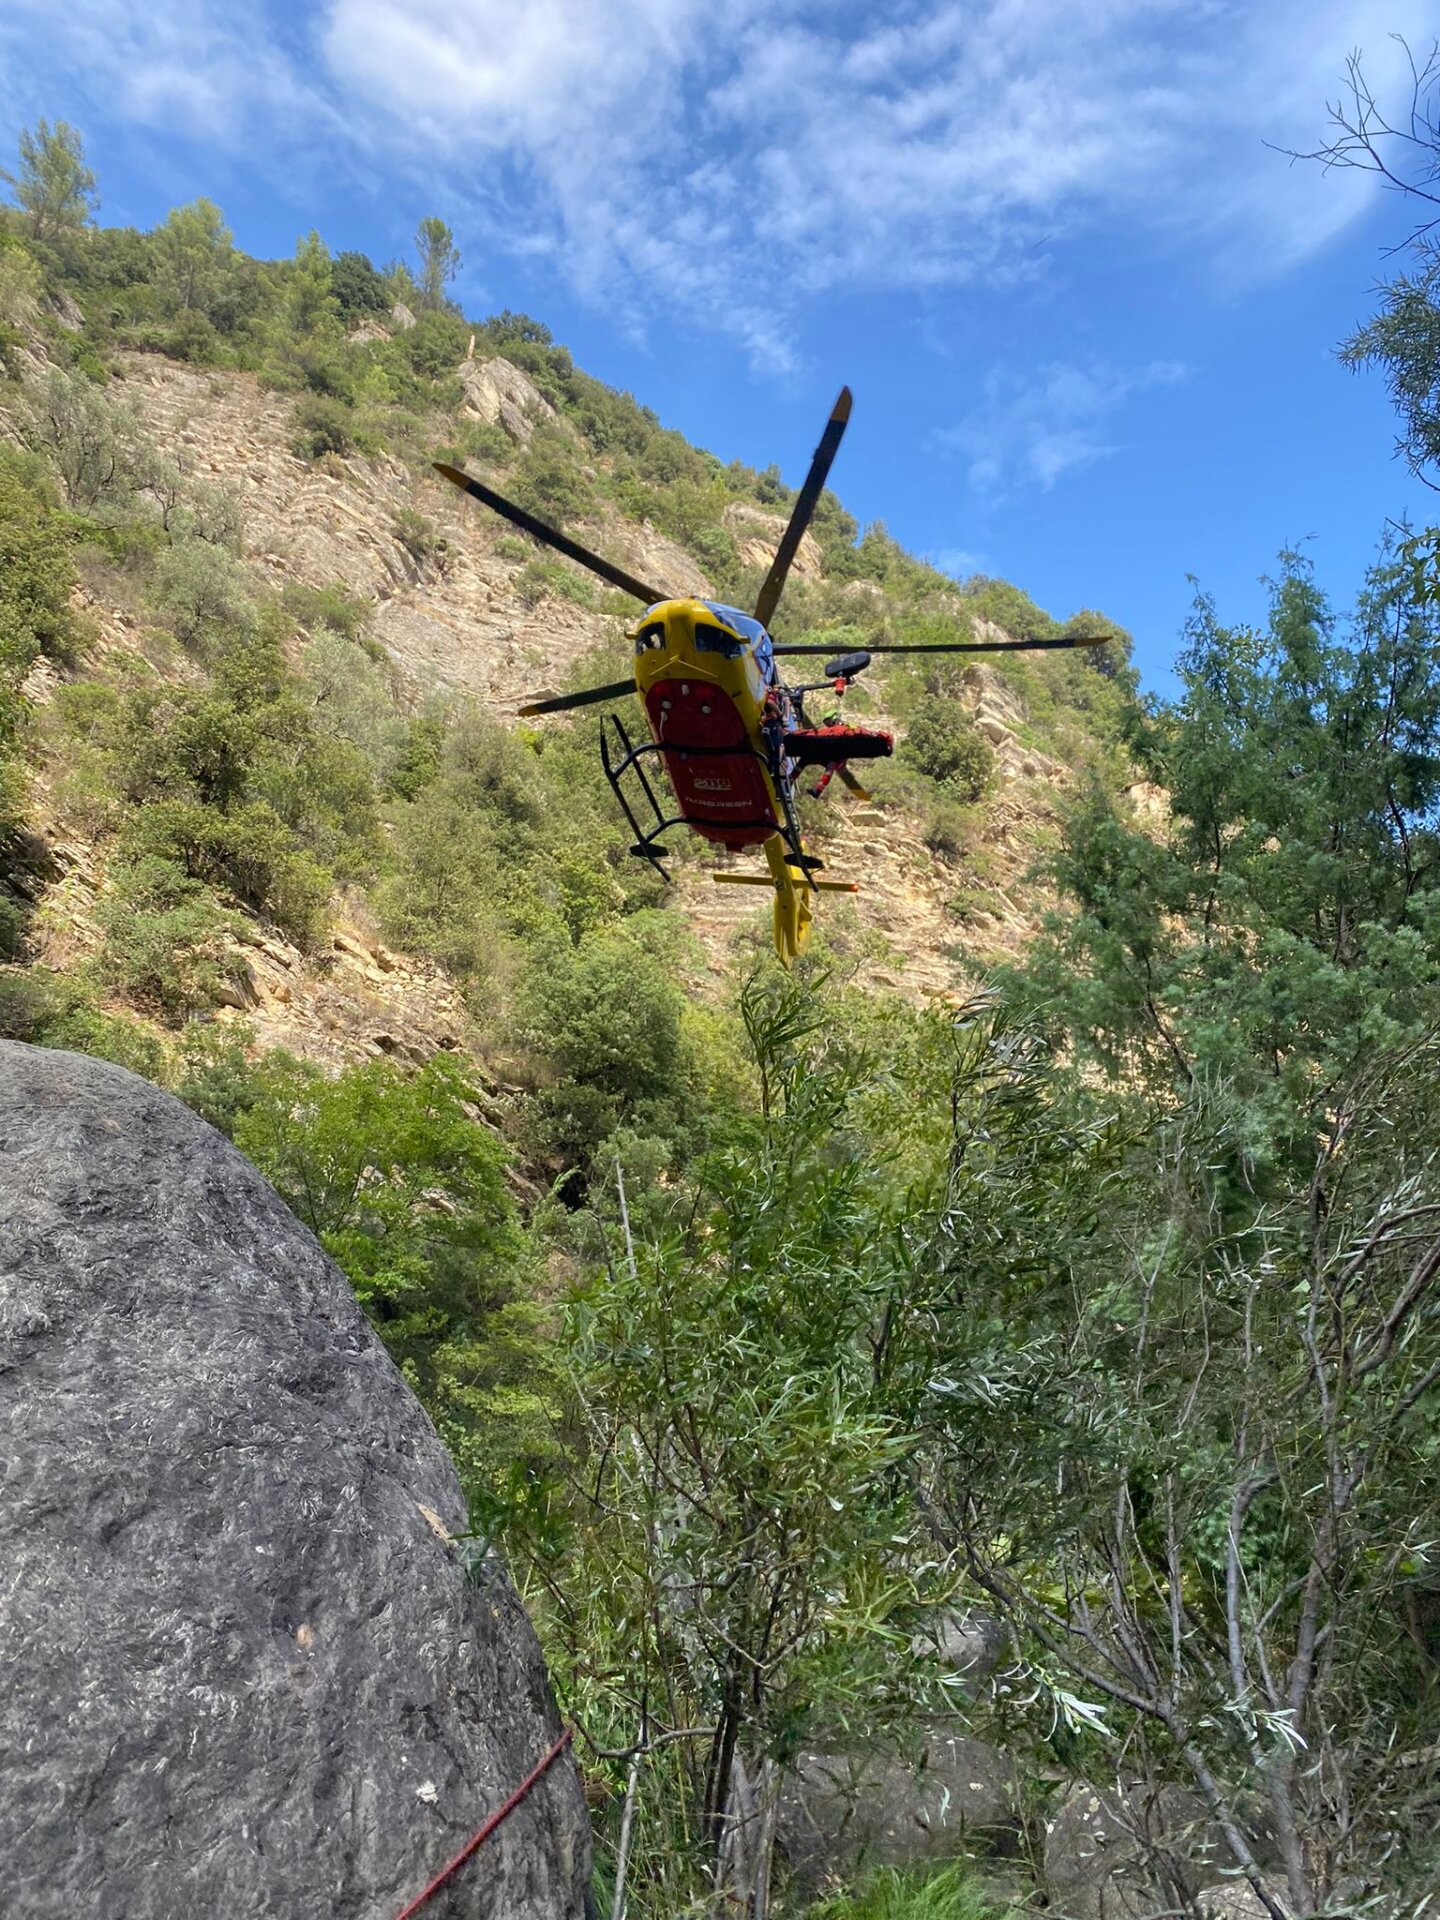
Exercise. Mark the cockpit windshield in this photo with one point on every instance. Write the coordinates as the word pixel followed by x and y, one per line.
pixel 710 639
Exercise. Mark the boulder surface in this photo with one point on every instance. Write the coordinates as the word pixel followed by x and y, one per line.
pixel 246 1666
pixel 843 1815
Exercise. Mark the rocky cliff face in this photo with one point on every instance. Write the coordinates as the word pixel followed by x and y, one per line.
pixel 459 626
pixel 249 1667
pixel 457 623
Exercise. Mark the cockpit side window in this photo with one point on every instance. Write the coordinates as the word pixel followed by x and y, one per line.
pixel 650 637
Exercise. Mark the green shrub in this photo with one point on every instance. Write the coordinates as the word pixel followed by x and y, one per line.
pixel 542 576
pixel 714 548
pixel 605 1018
pixel 951 828
pixel 201 591
pixel 407 1191
pixel 22 286
pixel 477 440
pixel 943 743
pixel 952 1893
pixel 164 938
pixel 351 699
pixel 334 607
pixel 323 788
pixel 184 743
pixel 58 1010
pixel 1010 609
pixel 89 438
pixel 12 919
pixel 211 1071
pixel 549 482
pixel 359 289
pixel 192 337
pixel 37 572
pixel 249 851
pixel 420 537
pixel 418 761
pixel 435 345
pixel 322 425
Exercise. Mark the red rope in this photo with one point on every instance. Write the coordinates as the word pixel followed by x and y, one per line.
pixel 478 1839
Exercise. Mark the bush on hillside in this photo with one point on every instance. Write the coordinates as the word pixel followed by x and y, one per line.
pixel 89 438
pixel 407 1192
pixel 605 1018
pixel 548 480
pixel 48 1009
pixel 334 607
pixel 943 742
pixel 202 592
pixel 37 572
pixel 250 852
pixel 164 938
pixel 546 575
pixel 358 288
pixel 322 425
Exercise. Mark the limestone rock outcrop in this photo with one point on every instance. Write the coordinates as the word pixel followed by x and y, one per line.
pixel 757 534
pixel 504 396
pixel 249 1667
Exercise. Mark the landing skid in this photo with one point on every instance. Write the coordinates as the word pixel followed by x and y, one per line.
pixel 792 870
pixel 624 759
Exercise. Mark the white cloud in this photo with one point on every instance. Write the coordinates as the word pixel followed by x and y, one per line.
pixel 960 561
pixel 722 157
pixel 1034 428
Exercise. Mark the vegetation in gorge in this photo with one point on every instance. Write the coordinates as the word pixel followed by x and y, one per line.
pixel 768 1329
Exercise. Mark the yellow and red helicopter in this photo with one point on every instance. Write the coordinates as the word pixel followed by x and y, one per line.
pixel 732 737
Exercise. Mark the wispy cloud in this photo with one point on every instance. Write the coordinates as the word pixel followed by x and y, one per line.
pixel 1033 428
pixel 729 156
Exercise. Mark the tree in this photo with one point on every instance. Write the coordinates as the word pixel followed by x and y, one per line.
pixel 89 437
pixel 54 186
pixel 1285 923
pixel 1183 1450
pixel 193 249
pixel 309 300
pixel 1403 337
pixel 740 1562
pixel 202 590
pixel 439 260
pixel 942 741
pixel 359 289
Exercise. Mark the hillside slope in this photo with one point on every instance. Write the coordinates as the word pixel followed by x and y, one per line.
pixel 339 522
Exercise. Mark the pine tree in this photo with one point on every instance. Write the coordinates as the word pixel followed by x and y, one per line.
pixel 54 186
pixel 439 260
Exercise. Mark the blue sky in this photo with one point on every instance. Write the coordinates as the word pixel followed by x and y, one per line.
pixel 1088 315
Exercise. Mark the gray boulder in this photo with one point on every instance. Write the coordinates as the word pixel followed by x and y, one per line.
pixel 1124 1855
pixel 949 1796
pixel 246 1669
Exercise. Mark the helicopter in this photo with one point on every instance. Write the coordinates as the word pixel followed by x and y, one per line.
pixel 733 738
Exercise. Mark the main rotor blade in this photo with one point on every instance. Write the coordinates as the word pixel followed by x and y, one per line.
pixel 972 646
pixel 564 701
pixel 804 509
pixel 552 537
